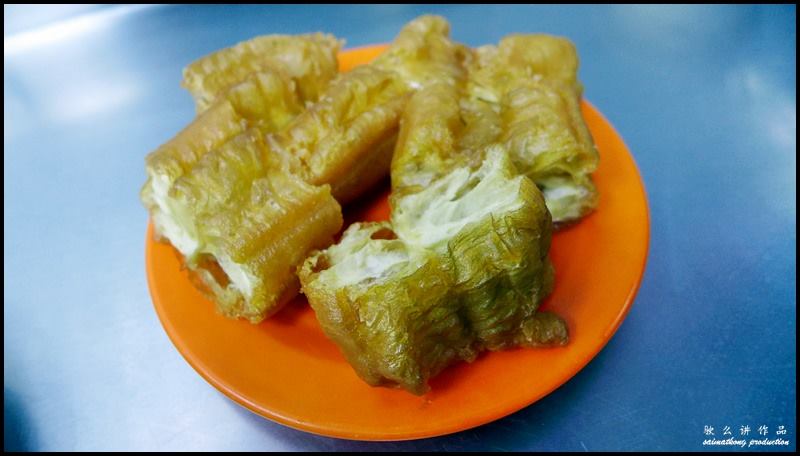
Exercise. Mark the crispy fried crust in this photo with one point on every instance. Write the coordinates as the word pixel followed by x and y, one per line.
pixel 307 60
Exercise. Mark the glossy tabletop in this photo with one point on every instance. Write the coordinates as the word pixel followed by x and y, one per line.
pixel 705 98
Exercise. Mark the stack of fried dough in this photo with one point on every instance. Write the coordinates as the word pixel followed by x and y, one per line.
pixel 487 152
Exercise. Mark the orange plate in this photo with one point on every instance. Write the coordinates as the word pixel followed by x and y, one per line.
pixel 285 369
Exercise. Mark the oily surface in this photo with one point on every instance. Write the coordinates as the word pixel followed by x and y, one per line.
pixel 295 375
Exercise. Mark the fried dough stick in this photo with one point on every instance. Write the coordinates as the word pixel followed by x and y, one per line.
pixel 235 211
pixel 309 61
pixel 255 223
pixel 463 266
pixel 261 83
pixel 347 138
pixel 530 82
pixel 264 101
pixel 243 93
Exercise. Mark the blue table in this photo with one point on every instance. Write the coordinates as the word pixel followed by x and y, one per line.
pixel 705 98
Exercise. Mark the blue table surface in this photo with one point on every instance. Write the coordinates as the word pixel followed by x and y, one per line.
pixel 704 96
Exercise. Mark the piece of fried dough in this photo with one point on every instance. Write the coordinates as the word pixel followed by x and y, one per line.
pixel 462 267
pixel 530 81
pixel 307 60
pixel 232 201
